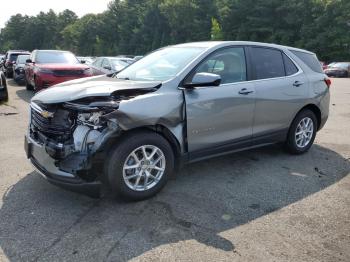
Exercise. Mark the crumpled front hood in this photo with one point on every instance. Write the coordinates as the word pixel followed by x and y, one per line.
pixel 89 87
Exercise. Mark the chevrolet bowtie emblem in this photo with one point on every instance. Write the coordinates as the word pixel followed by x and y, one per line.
pixel 46 114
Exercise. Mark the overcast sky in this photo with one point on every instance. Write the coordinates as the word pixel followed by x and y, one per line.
pixel 33 7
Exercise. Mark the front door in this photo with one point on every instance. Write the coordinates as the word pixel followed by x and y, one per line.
pixel 221 115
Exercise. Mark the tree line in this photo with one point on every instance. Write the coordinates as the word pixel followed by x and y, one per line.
pixel 139 26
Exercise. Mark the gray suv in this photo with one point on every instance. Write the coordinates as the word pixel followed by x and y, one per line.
pixel 177 105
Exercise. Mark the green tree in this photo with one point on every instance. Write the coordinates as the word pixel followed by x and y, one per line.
pixel 216 32
pixel 139 26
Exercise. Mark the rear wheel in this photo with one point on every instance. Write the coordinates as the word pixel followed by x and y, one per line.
pixel 140 165
pixel 302 132
pixel 28 86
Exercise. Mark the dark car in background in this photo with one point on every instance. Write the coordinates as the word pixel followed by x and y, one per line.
pixel 3 88
pixel 110 65
pixel 46 68
pixel 18 72
pixel 340 69
pixel 10 59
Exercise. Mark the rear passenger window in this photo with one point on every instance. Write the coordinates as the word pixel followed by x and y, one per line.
pixel 289 66
pixel 268 63
pixel 310 60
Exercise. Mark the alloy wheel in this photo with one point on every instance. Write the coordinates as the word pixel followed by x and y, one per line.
pixel 304 132
pixel 144 168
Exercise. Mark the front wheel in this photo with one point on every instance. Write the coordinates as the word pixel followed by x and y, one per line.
pixel 140 165
pixel 302 132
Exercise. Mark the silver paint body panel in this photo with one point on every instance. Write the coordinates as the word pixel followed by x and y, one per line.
pixel 210 116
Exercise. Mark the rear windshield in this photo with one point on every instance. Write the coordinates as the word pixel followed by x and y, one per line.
pixel 310 60
pixel 56 58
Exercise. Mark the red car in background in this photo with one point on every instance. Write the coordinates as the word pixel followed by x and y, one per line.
pixel 46 68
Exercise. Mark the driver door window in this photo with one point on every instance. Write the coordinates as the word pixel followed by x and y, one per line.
pixel 229 63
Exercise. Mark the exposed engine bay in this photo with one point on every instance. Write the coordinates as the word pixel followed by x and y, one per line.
pixel 72 132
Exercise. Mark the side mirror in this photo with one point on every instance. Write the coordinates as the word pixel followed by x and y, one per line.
pixel 204 79
pixel 29 61
pixel 82 61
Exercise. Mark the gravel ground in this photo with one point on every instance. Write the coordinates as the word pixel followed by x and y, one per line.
pixel 259 205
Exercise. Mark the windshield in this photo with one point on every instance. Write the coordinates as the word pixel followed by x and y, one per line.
pixel 56 58
pixel 341 65
pixel 21 59
pixel 161 65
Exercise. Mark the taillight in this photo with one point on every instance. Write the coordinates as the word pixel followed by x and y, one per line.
pixel 328 82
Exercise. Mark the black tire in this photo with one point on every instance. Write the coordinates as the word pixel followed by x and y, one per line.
pixel 120 153
pixel 291 144
pixel 8 75
pixel 3 87
pixel 29 87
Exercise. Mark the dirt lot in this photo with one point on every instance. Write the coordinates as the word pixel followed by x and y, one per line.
pixel 261 205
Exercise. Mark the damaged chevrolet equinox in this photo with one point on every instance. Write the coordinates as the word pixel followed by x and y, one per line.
pixel 177 105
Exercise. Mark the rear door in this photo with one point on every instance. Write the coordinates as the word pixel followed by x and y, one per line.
pixel 222 115
pixel 281 89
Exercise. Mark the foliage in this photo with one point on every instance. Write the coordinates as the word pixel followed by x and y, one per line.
pixel 139 26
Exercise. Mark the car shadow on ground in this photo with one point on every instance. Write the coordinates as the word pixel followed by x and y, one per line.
pixel 40 221
pixel 24 94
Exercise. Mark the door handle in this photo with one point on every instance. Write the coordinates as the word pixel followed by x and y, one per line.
pixel 244 91
pixel 298 83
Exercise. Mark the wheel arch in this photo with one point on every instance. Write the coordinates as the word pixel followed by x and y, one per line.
pixel 162 130
pixel 315 109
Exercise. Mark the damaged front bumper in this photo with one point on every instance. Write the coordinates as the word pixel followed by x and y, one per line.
pixel 46 166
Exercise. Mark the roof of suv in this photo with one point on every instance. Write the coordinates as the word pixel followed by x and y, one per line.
pixel 210 44
pixel 19 51
pixel 58 51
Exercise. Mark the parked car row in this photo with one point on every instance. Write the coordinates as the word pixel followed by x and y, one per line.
pixel 8 61
pixel 41 69
pixel 336 69
pixel 110 65
pixel 340 69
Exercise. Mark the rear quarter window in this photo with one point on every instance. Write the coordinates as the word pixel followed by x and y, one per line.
pixel 310 60
pixel 268 62
pixel 289 66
